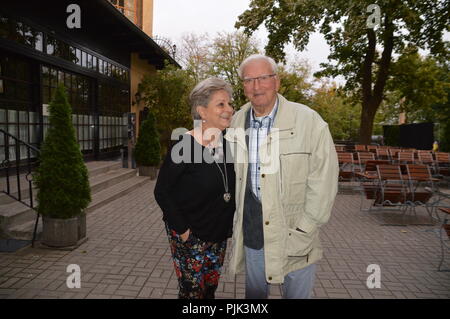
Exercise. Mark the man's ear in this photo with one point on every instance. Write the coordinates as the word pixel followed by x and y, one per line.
pixel 278 83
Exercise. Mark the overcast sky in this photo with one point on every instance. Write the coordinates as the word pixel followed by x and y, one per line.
pixel 173 18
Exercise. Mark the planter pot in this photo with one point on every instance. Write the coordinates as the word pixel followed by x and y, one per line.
pixel 151 171
pixel 60 232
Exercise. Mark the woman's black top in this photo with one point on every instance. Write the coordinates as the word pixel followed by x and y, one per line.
pixel 191 192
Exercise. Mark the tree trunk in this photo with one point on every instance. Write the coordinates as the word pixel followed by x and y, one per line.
pixel 372 98
pixel 367 118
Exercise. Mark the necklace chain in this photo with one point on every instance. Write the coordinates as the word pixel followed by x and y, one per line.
pixel 227 195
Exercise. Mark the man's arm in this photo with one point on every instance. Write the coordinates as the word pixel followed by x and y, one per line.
pixel 322 182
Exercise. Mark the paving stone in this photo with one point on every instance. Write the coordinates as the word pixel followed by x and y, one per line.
pixel 128 256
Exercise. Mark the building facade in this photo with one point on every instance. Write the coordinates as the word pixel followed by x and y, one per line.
pixel 99 50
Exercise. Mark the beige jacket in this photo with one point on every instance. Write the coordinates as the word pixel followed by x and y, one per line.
pixel 299 176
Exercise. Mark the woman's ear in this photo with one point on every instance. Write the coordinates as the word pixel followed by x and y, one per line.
pixel 201 111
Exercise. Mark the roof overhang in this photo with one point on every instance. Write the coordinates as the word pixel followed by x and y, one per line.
pixel 137 40
pixel 99 19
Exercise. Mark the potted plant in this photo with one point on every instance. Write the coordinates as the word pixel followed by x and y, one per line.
pixel 62 182
pixel 147 151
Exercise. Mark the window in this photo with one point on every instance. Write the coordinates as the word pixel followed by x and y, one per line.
pixel 89 61
pixel 78 95
pixel 78 54
pixel 84 59
pixel 18 115
pixel 50 44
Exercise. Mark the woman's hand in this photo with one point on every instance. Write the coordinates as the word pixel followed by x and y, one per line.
pixel 184 236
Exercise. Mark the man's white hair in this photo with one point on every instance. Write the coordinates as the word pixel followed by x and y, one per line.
pixel 254 57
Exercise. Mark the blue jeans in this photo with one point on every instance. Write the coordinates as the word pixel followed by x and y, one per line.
pixel 297 284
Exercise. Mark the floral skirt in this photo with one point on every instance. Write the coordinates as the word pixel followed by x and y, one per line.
pixel 197 265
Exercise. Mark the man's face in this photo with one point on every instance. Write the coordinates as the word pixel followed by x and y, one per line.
pixel 262 93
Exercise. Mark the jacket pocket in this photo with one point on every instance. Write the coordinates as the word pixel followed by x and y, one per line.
pixel 299 243
pixel 294 169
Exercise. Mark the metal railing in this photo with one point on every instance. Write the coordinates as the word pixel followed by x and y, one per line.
pixel 13 168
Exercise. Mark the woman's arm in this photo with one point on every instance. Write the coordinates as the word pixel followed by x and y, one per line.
pixel 169 175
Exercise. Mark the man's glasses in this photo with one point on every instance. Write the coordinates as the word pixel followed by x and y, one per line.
pixel 263 79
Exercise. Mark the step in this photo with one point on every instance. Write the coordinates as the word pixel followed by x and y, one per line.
pixel 112 193
pixel 110 178
pixel 102 167
pixel 25 230
pixel 14 214
pixel 25 193
pixel 94 168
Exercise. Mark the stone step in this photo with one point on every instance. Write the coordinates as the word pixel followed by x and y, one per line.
pixel 15 213
pixel 108 181
pixel 116 191
pixel 95 169
pixel 110 178
pixel 24 231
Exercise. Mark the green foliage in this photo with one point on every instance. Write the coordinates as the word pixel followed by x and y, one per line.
pixel 444 145
pixel 420 88
pixel 166 93
pixel 220 57
pixel 148 147
pixel 228 50
pixel 62 177
pixel 353 45
pixel 342 118
pixel 420 83
pixel 295 85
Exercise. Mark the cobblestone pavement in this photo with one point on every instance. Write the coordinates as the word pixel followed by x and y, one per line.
pixel 127 256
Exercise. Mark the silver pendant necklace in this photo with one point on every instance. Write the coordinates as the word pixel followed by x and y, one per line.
pixel 227 194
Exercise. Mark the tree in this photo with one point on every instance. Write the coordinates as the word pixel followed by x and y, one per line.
pixel 295 85
pixel 194 55
pixel 166 94
pixel 148 148
pixel 62 178
pixel 221 56
pixel 427 87
pixel 228 51
pixel 342 118
pixel 426 99
pixel 348 29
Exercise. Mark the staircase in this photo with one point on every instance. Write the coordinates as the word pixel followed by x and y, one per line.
pixel 108 181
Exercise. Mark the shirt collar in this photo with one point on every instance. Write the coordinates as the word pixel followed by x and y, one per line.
pixel 265 121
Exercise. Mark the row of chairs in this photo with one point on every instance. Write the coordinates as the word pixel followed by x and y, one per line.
pixel 350 163
pixel 405 186
pixel 368 148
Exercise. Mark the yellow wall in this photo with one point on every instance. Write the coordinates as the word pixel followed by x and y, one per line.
pixel 139 68
pixel 147 17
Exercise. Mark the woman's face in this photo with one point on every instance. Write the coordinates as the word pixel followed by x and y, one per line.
pixel 218 112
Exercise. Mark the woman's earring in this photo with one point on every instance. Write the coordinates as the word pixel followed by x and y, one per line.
pixel 203 121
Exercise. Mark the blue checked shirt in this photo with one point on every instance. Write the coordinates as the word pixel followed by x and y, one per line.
pixel 259 128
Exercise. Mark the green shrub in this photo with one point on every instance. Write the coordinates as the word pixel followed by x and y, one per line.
pixel 148 147
pixel 62 177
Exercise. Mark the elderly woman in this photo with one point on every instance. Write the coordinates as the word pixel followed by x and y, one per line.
pixel 195 190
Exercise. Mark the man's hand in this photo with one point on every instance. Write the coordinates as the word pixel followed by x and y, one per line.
pixel 184 236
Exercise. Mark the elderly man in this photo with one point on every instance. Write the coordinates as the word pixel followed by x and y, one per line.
pixel 286 182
